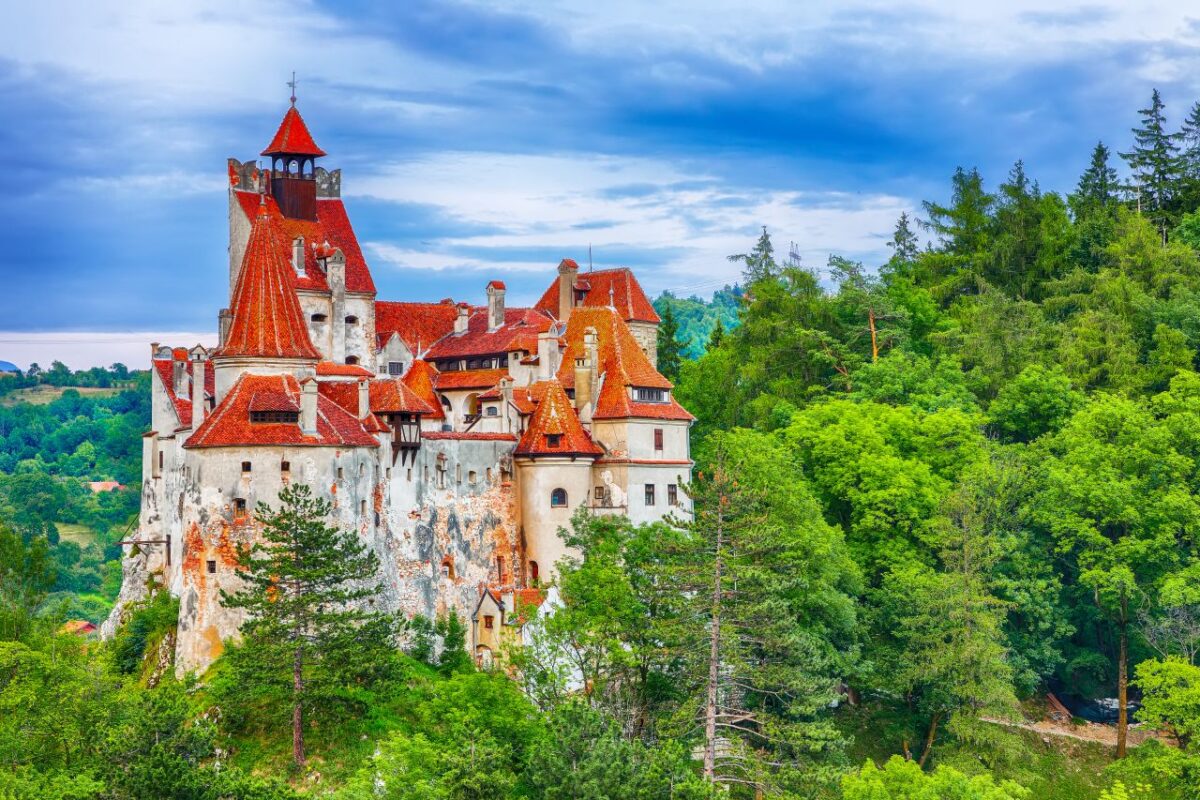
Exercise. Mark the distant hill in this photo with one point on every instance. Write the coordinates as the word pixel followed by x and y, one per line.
pixel 8 366
pixel 697 317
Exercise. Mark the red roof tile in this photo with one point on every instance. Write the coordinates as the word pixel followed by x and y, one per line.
pixel 272 400
pixel 331 225
pixel 469 379
pixel 617 287
pixel 267 320
pixel 519 332
pixel 555 417
pixel 330 369
pixel 470 436
pixel 419 325
pixel 420 379
pixel 344 393
pixel 293 138
pixel 392 396
pixel 229 424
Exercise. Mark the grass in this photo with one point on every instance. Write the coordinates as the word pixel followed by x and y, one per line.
pixel 41 395
pixel 1050 767
pixel 81 535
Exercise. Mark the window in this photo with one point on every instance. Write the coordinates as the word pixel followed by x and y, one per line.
pixel 362 507
pixel 212 567
pixel 448 567
pixel 558 498
pixel 245 466
pixel 500 568
pixel 493 411
pixel 472 476
pixel 658 439
pixel 341 473
pixel 672 494
pixel 533 572
pixel 362 469
pixel 553 440
pixel 489 621
pixel 395 368
pixel 649 494
pixel 410 474
pixel 351 319
pixel 644 395
pixel 239 508
pixel 352 360
pixel 489 474
pixel 318 318
pixel 285 467
pixel 160 459
pixel 387 473
pixel 292 417
pixel 600 493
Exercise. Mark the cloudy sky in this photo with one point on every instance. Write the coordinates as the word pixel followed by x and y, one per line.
pixel 482 140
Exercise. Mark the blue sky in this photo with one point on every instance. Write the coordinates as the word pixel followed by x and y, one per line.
pixel 485 140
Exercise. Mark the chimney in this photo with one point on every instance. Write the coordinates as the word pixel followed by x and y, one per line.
pixel 298 254
pixel 464 316
pixel 224 320
pixel 180 378
pixel 547 354
pixel 308 406
pixel 199 357
pixel 585 375
pixel 567 272
pixel 495 297
pixel 506 403
pixel 364 399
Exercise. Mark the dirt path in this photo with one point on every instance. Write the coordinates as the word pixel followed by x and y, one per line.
pixel 1086 731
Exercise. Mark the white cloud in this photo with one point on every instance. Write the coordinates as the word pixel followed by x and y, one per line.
pixel 686 219
pixel 86 349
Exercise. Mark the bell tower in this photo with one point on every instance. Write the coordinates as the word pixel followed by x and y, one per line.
pixel 293 156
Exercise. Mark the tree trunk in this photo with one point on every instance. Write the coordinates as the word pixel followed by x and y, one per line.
pixel 297 709
pixel 714 654
pixel 1122 685
pixel 874 342
pixel 929 737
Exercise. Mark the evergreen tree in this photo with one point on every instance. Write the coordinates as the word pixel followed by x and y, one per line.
pixel 716 337
pixel 303 580
pixel 1156 165
pixel 760 262
pixel 1098 187
pixel 669 347
pixel 963 225
pixel 903 244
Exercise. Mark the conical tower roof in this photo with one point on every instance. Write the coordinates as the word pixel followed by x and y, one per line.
pixel 293 138
pixel 555 429
pixel 267 319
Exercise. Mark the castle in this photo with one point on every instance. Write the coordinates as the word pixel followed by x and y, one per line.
pixel 455 439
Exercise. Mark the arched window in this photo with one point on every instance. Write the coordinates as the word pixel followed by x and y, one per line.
pixel 483 657
pixel 351 320
pixel 533 573
pixel 558 498
pixel 448 567
pixel 352 360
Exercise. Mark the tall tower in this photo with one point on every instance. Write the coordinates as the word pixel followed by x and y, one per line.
pixel 293 165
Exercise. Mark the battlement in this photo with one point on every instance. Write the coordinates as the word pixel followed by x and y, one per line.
pixel 249 176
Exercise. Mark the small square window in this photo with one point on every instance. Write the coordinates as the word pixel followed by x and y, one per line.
pixel 212 567
pixel 553 439
pixel 285 466
pixel 341 473
pixel 246 466
pixel 471 476
pixel 239 508
pixel 489 621
pixel 395 368
pixel 649 494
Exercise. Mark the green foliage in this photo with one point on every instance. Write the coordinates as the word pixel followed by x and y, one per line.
pixel 1171 697
pixel 1036 402
pixel 670 346
pixel 148 622
pixel 904 780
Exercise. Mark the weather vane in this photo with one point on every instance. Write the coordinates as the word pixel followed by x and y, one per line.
pixel 292 83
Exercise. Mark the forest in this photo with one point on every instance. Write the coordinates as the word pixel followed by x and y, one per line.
pixel 928 493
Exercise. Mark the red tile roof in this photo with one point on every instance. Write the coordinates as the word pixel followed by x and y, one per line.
pixel 626 294
pixel 267 320
pixel 623 366
pixel 420 378
pixel 229 424
pixel 392 396
pixel 555 416
pixel 331 225
pixel 344 393
pixel 519 332
pixel 330 369
pixel 495 285
pixel 469 379
pixel 419 325
pixel 293 138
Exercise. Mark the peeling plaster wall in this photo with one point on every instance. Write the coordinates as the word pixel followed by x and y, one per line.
pixel 319 332
pixel 360 336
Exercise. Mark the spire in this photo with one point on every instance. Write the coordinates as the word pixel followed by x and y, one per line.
pixel 267 320
pixel 293 138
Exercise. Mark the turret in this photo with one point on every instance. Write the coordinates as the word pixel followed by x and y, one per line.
pixel 293 156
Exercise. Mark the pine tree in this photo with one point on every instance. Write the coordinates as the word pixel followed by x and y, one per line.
pixel 670 349
pixel 759 262
pixel 1098 186
pixel 1156 166
pixel 716 337
pixel 963 225
pixel 303 580
pixel 903 244
pixel 1189 141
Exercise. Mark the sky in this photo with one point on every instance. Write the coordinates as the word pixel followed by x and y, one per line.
pixel 490 140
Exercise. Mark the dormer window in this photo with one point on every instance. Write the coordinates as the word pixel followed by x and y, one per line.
pixel 352 360
pixel 553 440
pixel 287 417
pixel 646 395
